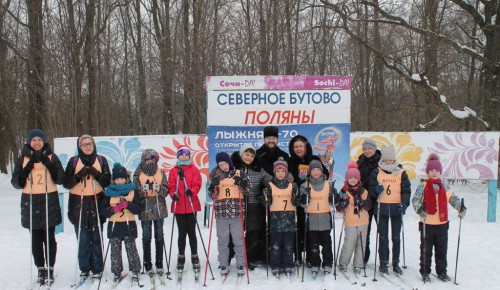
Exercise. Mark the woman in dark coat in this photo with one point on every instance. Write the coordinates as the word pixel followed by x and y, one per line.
pixel 37 172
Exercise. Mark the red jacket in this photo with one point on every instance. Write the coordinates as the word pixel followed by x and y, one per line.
pixel 193 182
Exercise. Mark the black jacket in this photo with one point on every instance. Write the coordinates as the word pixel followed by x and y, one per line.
pixel 390 209
pixel 366 166
pixel 268 156
pixel 89 209
pixel 295 161
pixel 19 180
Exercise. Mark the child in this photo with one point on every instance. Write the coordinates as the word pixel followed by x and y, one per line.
pixel 232 185
pixel 152 183
pixel 281 199
pixel 316 198
pixel 121 202
pixel 430 202
pixel 184 183
pixel 390 186
pixel 355 204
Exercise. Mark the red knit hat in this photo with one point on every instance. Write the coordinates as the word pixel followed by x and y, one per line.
pixel 352 171
pixel 433 163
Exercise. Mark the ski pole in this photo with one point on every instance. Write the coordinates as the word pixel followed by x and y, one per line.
pixel 267 236
pixel 424 258
pixel 403 233
pixel 243 233
pixel 360 237
pixel 99 227
pixel 31 226
pixel 163 237
pixel 173 224
pixel 306 220
pixel 210 237
pixel 338 247
pixel 47 245
pixel 83 185
pixel 198 226
pixel 376 241
pixel 462 207
pixel 334 243
pixel 296 245
pixel 106 255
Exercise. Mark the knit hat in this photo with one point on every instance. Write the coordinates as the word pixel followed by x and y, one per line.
pixel 433 163
pixel 245 147
pixel 315 164
pixel 224 157
pixel 352 171
pixel 388 153
pixel 369 144
pixel 183 150
pixel 119 171
pixel 280 163
pixel 150 154
pixel 271 131
pixel 83 137
pixel 35 133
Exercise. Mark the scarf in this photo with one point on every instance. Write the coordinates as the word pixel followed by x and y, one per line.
pixel 430 205
pixel 149 168
pixel 115 190
pixel 185 163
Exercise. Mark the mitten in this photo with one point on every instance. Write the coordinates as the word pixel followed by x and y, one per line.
pixel 379 189
pixel 462 213
pixel 215 180
pixel 27 169
pixel 92 171
pixel 344 202
pixel 188 192
pixel 421 213
pixel 121 206
pixel 358 201
pixel 175 197
pixel 82 173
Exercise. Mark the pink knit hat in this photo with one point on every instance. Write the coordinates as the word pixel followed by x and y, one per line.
pixel 433 163
pixel 352 171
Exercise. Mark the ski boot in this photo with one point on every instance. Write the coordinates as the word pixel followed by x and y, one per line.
pixel 288 272
pixel 327 269
pixel 357 270
pixel 396 268
pixel 96 276
pixel 49 279
pixel 195 261
pixel 384 267
pixel 276 273
pixel 426 278
pixel 84 274
pixel 314 271
pixel 159 267
pixel 240 270
pixel 444 277
pixel 135 277
pixel 342 268
pixel 148 266
pixel 181 259
pixel 42 272
pixel 117 277
pixel 223 271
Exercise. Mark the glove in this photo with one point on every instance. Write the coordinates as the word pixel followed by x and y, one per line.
pixel 358 201
pixel 82 173
pixel 215 180
pixel 44 158
pixel 402 209
pixel 305 198
pixel 344 202
pixel 379 189
pixel 27 169
pixel 156 187
pixel 121 206
pixel 145 187
pixel 239 181
pixel 35 156
pixel 188 192
pixel 421 213
pixel 462 213
pixel 175 197
pixel 92 171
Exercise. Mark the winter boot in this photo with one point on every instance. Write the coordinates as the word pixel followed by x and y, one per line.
pixel 384 267
pixel 49 279
pixel 181 259
pixel 426 278
pixel 327 269
pixel 240 270
pixel 96 276
pixel 195 261
pixel 159 267
pixel 444 277
pixel 147 267
pixel 42 272
pixel 396 268
pixel 223 270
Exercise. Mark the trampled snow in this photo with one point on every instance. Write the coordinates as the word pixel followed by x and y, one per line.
pixel 478 264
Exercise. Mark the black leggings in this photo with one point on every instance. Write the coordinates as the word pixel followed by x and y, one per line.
pixel 38 243
pixel 186 224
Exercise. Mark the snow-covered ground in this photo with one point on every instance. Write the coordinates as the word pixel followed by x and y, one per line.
pixel 478 264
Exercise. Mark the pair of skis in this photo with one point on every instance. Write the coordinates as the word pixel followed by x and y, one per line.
pixel 196 276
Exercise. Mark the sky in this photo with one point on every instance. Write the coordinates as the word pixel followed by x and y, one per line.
pixel 477 262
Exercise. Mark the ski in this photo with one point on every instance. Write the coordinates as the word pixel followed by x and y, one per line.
pixel 135 280
pixel 160 277
pixel 440 278
pixel 239 279
pixel 224 278
pixel 405 282
pixel 357 278
pixel 348 278
pixel 179 276
pixel 80 283
pixel 314 275
pixel 152 279
pixel 115 283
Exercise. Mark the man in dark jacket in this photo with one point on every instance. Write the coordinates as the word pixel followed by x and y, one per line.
pixel 270 152
pixel 87 174
pixel 367 163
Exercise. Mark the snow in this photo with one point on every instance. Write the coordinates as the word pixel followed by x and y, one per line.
pixel 477 268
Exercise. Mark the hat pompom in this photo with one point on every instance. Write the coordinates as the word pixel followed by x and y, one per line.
pixel 433 156
pixel 352 164
pixel 352 171
pixel 119 171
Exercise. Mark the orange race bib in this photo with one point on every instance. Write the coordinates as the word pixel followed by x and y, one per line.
pixel 42 181
pixel 227 189
pixel 319 202
pixel 282 198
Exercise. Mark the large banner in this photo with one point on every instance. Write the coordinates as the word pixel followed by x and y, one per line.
pixel 317 107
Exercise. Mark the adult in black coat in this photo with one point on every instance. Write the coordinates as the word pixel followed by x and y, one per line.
pixel 367 163
pixel 270 152
pixel 87 174
pixel 37 171
pixel 301 155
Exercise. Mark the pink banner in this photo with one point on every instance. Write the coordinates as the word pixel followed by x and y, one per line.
pixel 277 82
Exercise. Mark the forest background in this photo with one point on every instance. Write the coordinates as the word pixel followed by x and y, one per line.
pixel 132 67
